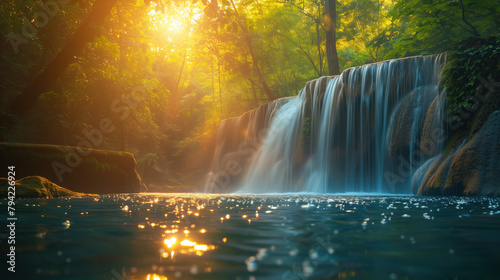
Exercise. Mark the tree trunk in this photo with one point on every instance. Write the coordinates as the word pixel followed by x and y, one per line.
pixel 54 69
pixel 330 19
pixel 318 39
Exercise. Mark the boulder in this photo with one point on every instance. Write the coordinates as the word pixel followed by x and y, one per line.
pixel 76 169
pixel 475 169
pixel 472 170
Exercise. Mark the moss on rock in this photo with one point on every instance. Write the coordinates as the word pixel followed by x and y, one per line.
pixel 36 187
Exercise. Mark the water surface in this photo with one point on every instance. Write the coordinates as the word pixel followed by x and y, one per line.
pixel 292 236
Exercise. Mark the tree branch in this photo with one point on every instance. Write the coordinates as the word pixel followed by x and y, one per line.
pixel 474 31
pixel 300 48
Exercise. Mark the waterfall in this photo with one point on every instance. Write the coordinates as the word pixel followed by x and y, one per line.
pixel 361 131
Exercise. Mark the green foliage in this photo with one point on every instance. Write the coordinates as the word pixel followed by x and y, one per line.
pixel 360 23
pixel 348 57
pixel 472 65
pixel 426 27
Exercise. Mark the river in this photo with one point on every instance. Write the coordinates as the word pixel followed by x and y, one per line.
pixel 286 236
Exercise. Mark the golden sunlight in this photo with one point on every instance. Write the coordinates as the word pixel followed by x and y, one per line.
pixel 187 243
pixel 155 277
pixel 187 247
pixel 176 21
pixel 201 247
pixel 170 242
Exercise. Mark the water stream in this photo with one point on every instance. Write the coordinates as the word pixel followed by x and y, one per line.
pixel 348 133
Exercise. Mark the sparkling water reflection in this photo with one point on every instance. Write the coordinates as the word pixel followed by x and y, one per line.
pixel 200 236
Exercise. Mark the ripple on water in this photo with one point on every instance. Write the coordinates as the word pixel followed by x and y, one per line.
pixel 292 236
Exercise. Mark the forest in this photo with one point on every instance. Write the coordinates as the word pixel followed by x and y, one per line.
pixel 156 77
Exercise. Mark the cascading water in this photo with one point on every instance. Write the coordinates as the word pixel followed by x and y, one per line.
pixel 360 131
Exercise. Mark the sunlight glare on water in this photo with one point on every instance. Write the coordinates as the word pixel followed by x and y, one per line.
pixel 292 236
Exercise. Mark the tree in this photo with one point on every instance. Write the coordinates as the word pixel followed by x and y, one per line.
pixel 49 75
pixel 330 19
pixel 425 27
pixel 329 26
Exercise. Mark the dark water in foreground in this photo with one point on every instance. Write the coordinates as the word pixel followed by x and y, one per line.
pixel 197 236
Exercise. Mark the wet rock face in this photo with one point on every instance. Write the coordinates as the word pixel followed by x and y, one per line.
pixel 76 169
pixel 489 105
pixel 433 131
pixel 414 113
pixel 437 175
pixel 473 169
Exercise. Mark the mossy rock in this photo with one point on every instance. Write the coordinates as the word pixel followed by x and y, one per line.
pixel 36 187
pixel 73 168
